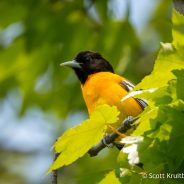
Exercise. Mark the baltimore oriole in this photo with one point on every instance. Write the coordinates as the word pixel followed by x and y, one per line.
pixel 100 85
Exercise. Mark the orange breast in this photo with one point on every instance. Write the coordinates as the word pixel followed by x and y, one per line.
pixel 104 87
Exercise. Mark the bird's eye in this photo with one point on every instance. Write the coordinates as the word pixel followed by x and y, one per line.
pixel 88 59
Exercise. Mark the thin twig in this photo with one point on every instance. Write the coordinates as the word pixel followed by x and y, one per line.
pixel 54 172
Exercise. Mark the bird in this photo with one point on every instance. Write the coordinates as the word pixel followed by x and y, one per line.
pixel 100 85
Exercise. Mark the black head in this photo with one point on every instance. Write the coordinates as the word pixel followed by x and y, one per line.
pixel 87 63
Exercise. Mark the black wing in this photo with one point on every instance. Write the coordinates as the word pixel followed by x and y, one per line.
pixel 128 86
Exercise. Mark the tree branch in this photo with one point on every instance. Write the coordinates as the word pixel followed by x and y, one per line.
pixel 110 138
pixel 179 5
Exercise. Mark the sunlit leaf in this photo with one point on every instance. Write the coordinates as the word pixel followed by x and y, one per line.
pixel 76 141
pixel 110 178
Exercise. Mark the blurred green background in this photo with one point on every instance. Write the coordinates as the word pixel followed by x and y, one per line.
pixel 39 100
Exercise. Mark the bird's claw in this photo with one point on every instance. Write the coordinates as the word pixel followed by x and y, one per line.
pixel 109 145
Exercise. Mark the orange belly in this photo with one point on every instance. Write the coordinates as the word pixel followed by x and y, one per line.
pixel 104 88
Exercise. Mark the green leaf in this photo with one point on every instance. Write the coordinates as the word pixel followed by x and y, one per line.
pixel 162 72
pixel 110 178
pixel 161 123
pixel 146 121
pixel 180 81
pixel 75 142
pixel 178 29
pixel 169 58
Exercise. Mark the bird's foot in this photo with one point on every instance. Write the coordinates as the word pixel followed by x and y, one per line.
pixel 118 145
pixel 106 142
pixel 129 121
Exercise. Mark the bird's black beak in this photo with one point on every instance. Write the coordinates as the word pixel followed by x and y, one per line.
pixel 72 64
